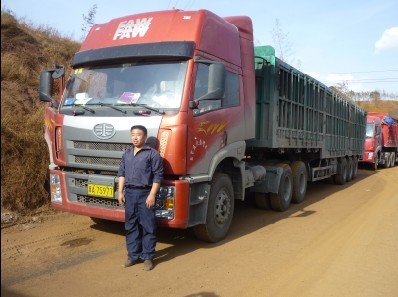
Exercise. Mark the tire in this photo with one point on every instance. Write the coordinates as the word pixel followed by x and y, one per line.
pixel 375 165
pixel 282 200
pixel 220 210
pixel 340 177
pixel 350 169
pixel 392 159
pixel 299 173
pixel 354 167
pixel 387 163
pixel 262 201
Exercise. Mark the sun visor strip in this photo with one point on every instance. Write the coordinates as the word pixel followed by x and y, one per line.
pixel 158 50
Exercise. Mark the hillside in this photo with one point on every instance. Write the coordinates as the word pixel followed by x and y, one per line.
pixel 381 106
pixel 26 50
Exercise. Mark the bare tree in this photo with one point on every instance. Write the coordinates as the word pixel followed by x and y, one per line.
pixel 374 96
pixel 343 87
pixel 88 20
pixel 281 41
pixel 344 90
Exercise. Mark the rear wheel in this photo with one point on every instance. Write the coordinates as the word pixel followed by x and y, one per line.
pixel 354 167
pixel 299 173
pixel 262 200
pixel 387 162
pixel 350 169
pixel 281 201
pixel 392 159
pixel 375 165
pixel 340 177
pixel 219 210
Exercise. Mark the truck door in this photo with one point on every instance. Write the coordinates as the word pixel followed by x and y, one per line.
pixel 378 136
pixel 215 122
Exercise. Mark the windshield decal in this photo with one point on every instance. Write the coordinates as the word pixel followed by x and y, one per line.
pixel 128 97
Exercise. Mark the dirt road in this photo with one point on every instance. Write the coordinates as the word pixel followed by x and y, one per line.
pixel 342 241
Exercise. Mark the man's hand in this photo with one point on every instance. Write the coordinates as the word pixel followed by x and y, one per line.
pixel 150 200
pixel 120 198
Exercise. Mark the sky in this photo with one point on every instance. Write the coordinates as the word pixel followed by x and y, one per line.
pixel 335 41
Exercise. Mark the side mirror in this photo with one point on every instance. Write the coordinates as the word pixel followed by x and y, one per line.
pixel 216 86
pixel 216 82
pixel 194 104
pixel 59 71
pixel 47 78
pixel 46 85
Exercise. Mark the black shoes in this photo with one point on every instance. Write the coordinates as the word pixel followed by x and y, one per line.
pixel 148 264
pixel 129 263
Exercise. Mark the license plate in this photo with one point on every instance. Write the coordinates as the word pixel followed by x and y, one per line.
pixel 100 190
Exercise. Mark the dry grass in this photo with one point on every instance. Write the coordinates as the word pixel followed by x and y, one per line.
pixel 390 106
pixel 25 52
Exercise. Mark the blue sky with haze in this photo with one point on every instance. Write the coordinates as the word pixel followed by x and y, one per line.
pixel 334 41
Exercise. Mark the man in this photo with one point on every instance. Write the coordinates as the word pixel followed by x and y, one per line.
pixel 140 174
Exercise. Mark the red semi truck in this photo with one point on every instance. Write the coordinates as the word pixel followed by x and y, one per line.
pixel 228 118
pixel 381 143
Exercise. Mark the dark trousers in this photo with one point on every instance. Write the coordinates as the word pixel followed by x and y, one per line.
pixel 140 225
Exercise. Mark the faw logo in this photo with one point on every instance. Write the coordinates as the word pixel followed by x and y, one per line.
pixel 132 29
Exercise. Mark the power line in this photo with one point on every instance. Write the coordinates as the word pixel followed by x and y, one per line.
pixel 189 3
pixel 370 82
pixel 371 71
pixel 366 80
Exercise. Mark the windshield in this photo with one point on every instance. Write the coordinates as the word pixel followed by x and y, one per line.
pixel 369 130
pixel 157 85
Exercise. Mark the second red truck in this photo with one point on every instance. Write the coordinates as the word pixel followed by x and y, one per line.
pixel 381 143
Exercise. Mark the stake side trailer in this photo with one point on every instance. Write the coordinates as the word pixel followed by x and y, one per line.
pixel 228 119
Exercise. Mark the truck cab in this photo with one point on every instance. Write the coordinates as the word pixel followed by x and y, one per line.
pixel 188 77
pixel 373 141
pixel 381 143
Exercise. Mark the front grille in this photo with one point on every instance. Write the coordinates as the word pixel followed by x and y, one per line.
pixel 97 161
pixel 99 202
pixel 81 183
pixel 101 146
pixel 90 147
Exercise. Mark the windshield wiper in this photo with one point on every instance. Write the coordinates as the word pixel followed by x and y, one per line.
pixel 112 106
pixel 147 107
pixel 84 107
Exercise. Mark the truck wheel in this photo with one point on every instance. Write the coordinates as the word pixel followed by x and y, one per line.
pixel 299 173
pixel 262 200
pixel 340 177
pixel 219 210
pixel 375 165
pixel 350 168
pixel 354 167
pixel 392 159
pixel 387 162
pixel 282 200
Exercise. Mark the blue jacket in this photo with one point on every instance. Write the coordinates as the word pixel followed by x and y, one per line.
pixel 143 169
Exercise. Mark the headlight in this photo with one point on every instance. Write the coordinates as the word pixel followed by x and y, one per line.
pixel 55 185
pixel 165 203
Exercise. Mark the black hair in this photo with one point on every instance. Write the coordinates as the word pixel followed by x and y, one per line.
pixel 140 127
